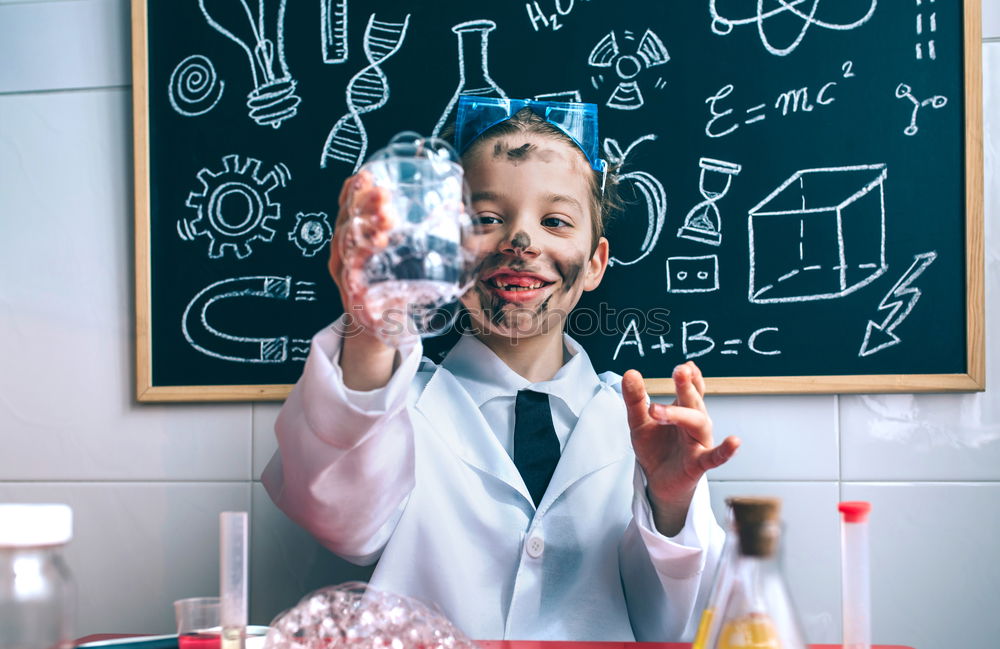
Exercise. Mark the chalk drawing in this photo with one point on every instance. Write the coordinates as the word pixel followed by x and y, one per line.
pixel 723 25
pixel 704 223
pixel 311 232
pixel 211 341
pixel 473 68
pixel 788 102
pixel 234 206
pixel 333 30
pixel 648 53
pixel 931 28
pixel 819 235
pixel 652 192
pixel 248 24
pixel 904 91
pixel 367 90
pixel 194 88
pixel 693 274
pixel 899 301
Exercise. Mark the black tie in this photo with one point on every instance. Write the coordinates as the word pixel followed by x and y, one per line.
pixel 536 447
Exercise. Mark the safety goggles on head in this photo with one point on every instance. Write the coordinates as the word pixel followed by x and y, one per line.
pixel 578 121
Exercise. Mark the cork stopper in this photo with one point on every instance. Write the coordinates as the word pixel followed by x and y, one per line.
pixel 757 523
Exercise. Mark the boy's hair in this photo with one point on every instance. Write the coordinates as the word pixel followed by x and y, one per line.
pixel 602 203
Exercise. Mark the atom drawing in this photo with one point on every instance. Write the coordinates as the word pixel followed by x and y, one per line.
pixel 722 25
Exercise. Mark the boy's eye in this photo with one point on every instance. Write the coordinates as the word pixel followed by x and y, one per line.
pixel 555 222
pixel 486 218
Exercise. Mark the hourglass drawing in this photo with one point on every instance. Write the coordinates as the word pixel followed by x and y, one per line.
pixel 473 73
pixel 367 90
pixel 273 99
pixel 704 223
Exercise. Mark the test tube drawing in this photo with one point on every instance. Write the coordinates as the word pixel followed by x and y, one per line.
pixel 211 341
pixel 704 223
pixel 273 99
pixel 367 90
pixel 333 26
pixel 473 71
pixel 904 91
pixel 194 87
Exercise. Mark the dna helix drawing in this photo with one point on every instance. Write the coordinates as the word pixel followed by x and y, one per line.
pixel 367 90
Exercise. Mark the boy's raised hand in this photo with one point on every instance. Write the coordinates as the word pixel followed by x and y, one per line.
pixel 673 444
pixel 362 228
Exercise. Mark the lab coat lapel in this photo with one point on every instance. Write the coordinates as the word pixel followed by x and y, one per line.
pixel 601 437
pixel 456 418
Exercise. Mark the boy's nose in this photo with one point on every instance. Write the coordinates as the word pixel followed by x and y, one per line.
pixel 518 243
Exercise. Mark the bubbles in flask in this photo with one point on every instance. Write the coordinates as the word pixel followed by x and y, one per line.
pixel 412 274
pixel 364 617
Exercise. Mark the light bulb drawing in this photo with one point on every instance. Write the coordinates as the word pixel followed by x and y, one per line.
pixel 473 71
pixel 367 90
pixel 723 25
pixel 904 91
pixel 194 88
pixel 652 192
pixel 248 24
pixel 704 223
pixel 649 53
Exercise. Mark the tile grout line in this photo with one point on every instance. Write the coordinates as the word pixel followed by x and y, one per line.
pixel 49 91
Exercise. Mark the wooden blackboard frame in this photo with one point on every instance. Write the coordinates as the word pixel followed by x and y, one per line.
pixel 974 379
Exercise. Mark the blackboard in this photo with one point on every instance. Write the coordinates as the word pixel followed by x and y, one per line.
pixel 803 178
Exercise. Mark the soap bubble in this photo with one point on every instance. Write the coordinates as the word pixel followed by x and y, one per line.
pixel 419 268
pixel 362 617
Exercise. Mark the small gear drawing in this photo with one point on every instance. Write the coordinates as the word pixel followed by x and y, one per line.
pixel 311 232
pixel 234 206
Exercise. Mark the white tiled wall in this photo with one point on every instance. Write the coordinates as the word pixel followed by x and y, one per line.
pixel 147 482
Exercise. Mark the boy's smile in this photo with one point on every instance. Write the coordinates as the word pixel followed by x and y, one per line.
pixel 533 234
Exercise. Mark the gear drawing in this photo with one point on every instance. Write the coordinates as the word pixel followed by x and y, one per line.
pixel 311 232
pixel 234 206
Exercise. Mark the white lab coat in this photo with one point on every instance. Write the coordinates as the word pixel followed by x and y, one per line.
pixel 421 484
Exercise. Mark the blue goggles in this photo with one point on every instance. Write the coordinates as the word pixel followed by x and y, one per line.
pixel 578 121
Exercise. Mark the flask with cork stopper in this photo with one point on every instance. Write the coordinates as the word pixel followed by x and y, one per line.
pixel 750 607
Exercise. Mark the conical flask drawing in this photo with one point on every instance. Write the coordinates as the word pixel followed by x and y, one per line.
pixel 473 72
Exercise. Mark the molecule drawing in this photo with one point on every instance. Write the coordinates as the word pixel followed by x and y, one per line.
pixel 723 25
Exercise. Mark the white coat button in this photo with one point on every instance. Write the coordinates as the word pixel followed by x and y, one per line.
pixel 535 546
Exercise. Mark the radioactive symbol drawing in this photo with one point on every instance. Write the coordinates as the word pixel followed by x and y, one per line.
pixel 649 53
pixel 234 206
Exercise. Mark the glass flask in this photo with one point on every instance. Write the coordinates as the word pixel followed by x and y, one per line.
pixel 37 596
pixel 412 280
pixel 750 607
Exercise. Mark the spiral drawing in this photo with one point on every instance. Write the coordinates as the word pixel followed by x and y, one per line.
pixel 194 87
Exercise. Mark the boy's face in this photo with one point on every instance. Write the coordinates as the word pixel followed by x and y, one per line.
pixel 533 237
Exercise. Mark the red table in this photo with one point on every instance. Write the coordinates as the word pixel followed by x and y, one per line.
pixel 549 644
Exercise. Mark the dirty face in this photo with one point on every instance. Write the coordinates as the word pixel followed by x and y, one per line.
pixel 533 237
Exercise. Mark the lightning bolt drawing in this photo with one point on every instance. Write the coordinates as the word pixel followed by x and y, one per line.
pixel 900 301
